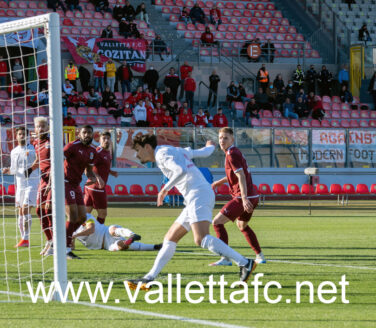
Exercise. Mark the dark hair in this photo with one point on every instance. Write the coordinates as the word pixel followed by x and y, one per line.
pixel 146 139
pixel 105 134
pixel 87 126
pixel 22 128
pixel 227 130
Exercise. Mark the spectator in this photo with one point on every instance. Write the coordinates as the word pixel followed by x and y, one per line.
pixel 252 110
pixel 232 94
pixel 173 108
pixel 72 74
pixel 215 16
pixel 167 96
pixel 325 82
pixel 127 117
pixel 184 15
pixel 107 33
pixel 111 73
pixel 343 76
pixel 262 100
pixel 73 4
pixel 151 77
pixel 278 83
pixel 214 79
pixel 197 14
pixel 140 114
pixel 154 119
pixel 291 95
pixel 69 120
pixel 184 70
pixel 42 97
pixel 288 109
pixel 31 98
pixel 349 3
pixel 64 102
pixel 372 89
pixel 159 47
pixel 133 30
pixel 125 76
pixel 185 118
pixel 43 75
pixel 167 120
pixel 76 100
pixel 109 99
pixel 279 100
pixel 3 73
pixel 242 93
pixel 263 77
pixel 84 78
pixel 318 112
pixel 363 34
pixel 128 11
pixel 268 50
pixel 311 79
pixel 311 100
pixel 99 70
pixel 18 71
pixel 209 118
pixel 68 87
pixel 190 88
pixel 271 92
pixel 301 94
pixel 298 78
pixel 220 119
pixel 289 86
pixel 117 12
pixel 54 4
pixel 124 28
pixel 157 97
pixel 102 6
pixel 207 38
pixel 185 106
pixel 345 95
pixel 93 100
pixel 141 10
pixel 301 108
pixel 172 81
pixel 200 119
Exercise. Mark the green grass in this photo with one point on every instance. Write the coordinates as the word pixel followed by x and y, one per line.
pixel 332 235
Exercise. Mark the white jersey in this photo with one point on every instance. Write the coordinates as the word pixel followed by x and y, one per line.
pixel 95 240
pixel 176 164
pixel 22 158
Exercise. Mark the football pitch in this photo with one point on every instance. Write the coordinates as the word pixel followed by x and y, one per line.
pixel 333 242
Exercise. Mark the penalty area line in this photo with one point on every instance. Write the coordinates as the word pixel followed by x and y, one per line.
pixel 145 313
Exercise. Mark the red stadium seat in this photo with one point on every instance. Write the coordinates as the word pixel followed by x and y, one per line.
pixel 151 190
pixel 266 122
pixel 255 122
pixel 12 190
pixel 279 189
pixel 121 190
pixel 345 115
pixel 267 113
pixel 80 120
pixel 373 188
pixel 345 124
pixel 336 189
pixel 361 189
pixel 293 189
pixel 307 189
pixel 326 99
pixel 136 190
pixel 363 124
pixel 276 122
pixel 348 189
pixel 109 190
pixel 2 190
pixel 315 124
pixel 335 124
pixel 322 189
pixel 255 188
pixel 91 120
pixel 264 189
pixel 295 123
pixel 285 123
pixel 223 190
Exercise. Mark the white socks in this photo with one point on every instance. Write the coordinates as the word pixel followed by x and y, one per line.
pixel 21 225
pixel 164 255
pixel 27 226
pixel 135 246
pixel 123 232
pixel 217 246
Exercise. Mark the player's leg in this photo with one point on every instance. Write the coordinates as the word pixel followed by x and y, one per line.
pixel 102 214
pixel 27 221
pixel 45 217
pixel 219 222
pixel 100 204
pixel 119 231
pixel 19 201
pixel 88 200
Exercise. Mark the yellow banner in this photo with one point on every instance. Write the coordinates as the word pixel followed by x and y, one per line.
pixel 356 69
pixel 69 134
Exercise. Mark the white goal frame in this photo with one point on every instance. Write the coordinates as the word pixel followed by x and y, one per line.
pixel 51 24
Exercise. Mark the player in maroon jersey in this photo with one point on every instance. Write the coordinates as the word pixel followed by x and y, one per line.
pixel 80 155
pixel 244 197
pixel 96 197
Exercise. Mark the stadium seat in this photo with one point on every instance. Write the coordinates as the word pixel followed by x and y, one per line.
pixel 335 124
pixel 326 99
pixel 136 190
pixel 348 189
pixel 91 120
pixel 276 122
pixel 373 188
pixel 321 189
pixel 223 190
pixel 12 190
pixel 92 111
pixel 336 189
pixel 151 190
pixel 264 189
pixel 2 190
pixel 109 190
pixel 80 120
pixel 345 124
pixel 121 190
pixel 255 188
pixel 315 124
pixel 285 123
pixel 307 189
pixel 255 122
pixel 279 189
pixel 293 189
pixel 361 189
pixel 295 123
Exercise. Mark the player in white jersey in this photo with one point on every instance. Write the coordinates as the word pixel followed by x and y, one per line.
pixel 94 235
pixel 176 164
pixel 22 159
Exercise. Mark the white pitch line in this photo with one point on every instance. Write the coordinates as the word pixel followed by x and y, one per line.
pixel 145 313
pixel 292 262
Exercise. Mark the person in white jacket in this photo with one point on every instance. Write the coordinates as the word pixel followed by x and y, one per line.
pixel 140 114
pixel 22 159
pixel 176 164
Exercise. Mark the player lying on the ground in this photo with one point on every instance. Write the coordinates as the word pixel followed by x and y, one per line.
pixel 94 235
pixel 176 164
pixel 22 159
pixel 244 197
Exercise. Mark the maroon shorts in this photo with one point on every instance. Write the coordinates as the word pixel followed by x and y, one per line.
pixel 95 198
pixel 73 195
pixel 234 209
pixel 42 196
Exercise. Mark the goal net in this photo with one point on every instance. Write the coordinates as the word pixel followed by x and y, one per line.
pixel 30 87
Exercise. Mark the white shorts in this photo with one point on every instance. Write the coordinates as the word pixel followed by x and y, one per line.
pixel 111 242
pixel 198 209
pixel 26 196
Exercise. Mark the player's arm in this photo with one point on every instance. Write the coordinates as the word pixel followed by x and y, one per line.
pixel 218 183
pixel 202 152
pixel 243 191
pixel 33 167
pixel 114 173
pixel 94 176
pixel 90 229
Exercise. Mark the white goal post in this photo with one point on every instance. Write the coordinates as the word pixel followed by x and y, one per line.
pixel 51 25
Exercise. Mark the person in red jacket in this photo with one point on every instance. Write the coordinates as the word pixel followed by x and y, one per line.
pixel 43 75
pixel 200 119
pixel 99 70
pixel 215 16
pixel 131 100
pixel 167 119
pixel 154 119
pixel 3 73
pixel 184 70
pixel 69 120
pixel 185 118
pixel 207 38
pixel 220 119
pixel 15 90
pixel 190 88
